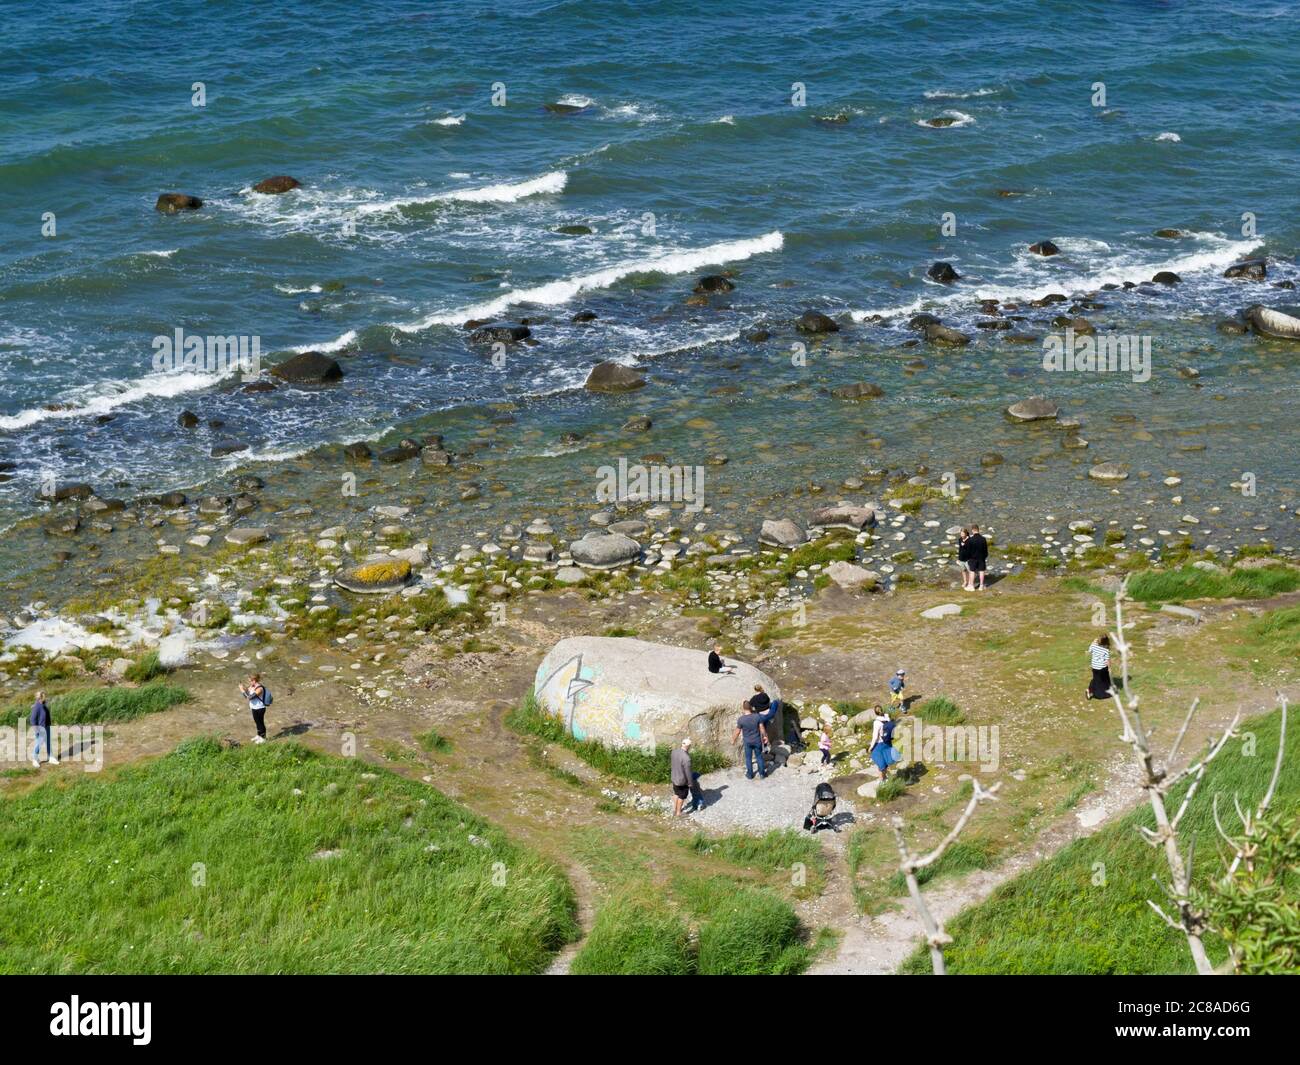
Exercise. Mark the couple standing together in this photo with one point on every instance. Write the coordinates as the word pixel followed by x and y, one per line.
pixel 973 556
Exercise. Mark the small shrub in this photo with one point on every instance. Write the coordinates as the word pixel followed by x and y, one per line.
pixel 145 668
pixel 939 710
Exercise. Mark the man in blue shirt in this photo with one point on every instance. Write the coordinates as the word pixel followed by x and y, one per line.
pixel 750 726
pixel 40 722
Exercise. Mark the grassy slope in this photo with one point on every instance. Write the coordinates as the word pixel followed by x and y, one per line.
pixel 1055 919
pixel 98 876
pixel 84 706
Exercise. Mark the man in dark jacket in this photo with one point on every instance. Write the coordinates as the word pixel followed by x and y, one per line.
pixel 977 549
pixel 40 722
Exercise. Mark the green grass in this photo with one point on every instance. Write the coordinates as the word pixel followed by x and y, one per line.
pixel 1188 582
pixel 743 931
pixel 636 933
pixel 433 742
pixel 210 861
pixel 939 710
pixel 963 856
pixel 1085 910
pixel 84 706
pixel 779 850
pixel 1279 630
pixel 145 668
pixel 627 763
pixel 890 789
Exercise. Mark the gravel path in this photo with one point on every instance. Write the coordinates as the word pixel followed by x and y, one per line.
pixel 781 800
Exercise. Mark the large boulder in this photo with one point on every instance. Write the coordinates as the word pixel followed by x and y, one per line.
pixel 626 692
pixel 944 273
pixel 309 368
pixel 938 333
pixel 605 551
pixel 613 377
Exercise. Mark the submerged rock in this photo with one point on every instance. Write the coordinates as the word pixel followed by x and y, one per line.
pixel 816 323
pixel 1044 247
pixel 1248 270
pixel 943 273
pixel 1033 409
pixel 309 368
pixel 175 202
pixel 273 186
pixel 613 377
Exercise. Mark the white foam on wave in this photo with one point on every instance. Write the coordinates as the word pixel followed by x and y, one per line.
pixel 1107 269
pixel 449 120
pixel 547 184
pixel 563 290
pixel 165 253
pixel 337 344
pixel 290 290
pixel 1167 136
pixel 955 94
pixel 726 120
pixel 108 396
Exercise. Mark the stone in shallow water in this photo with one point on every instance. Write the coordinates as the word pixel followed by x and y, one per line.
pixel 1108 471
pixel 246 535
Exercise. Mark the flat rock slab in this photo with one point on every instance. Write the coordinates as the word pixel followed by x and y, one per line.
pixel 351 579
pixel 1182 612
pixel 1034 409
pixel 842 517
pixel 245 535
pixel 945 610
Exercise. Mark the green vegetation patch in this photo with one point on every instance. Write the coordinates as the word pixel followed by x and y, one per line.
pixel 627 763
pixel 1084 910
pixel 1189 582
pixel 270 859
pixel 85 706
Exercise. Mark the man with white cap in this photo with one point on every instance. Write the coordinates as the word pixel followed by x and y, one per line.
pixel 685 780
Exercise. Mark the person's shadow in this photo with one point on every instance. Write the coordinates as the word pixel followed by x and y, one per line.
pixel 296 729
pixel 711 795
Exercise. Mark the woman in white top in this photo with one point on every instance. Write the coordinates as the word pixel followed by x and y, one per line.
pixel 1099 653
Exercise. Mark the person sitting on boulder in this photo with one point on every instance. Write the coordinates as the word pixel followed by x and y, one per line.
pixel 716 664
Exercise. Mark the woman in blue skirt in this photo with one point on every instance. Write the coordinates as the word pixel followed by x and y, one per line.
pixel 883 752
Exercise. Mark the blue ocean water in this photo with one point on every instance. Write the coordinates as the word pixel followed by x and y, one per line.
pixel 434 180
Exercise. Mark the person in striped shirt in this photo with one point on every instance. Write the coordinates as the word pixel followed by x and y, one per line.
pixel 1099 653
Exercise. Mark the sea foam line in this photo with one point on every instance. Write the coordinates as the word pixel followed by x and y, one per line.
pixel 563 290
pixel 546 184
pixel 150 387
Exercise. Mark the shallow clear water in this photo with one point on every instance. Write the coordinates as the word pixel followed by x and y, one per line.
pixel 430 205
